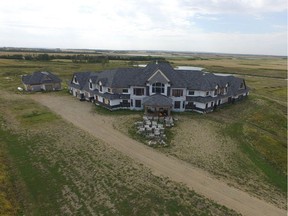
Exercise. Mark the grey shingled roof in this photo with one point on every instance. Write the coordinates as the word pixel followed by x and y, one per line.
pixel 193 80
pixel 158 100
pixel 40 77
pixel 174 76
pixel 119 78
pixel 82 78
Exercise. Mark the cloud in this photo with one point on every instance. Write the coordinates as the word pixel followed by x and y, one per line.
pixel 136 24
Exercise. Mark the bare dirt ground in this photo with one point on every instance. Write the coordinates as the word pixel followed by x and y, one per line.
pixel 101 127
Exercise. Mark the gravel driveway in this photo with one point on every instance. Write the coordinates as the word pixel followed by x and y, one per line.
pixel 79 114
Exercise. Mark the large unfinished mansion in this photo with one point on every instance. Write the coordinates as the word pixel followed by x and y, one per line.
pixel 159 88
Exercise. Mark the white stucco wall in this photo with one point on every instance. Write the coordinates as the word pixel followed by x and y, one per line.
pixel 200 93
pixel 36 87
pixel 200 105
pixel 115 102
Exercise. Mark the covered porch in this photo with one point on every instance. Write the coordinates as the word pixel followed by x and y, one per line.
pixel 157 105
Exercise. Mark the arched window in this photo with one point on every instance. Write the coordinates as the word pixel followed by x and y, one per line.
pixel 158 88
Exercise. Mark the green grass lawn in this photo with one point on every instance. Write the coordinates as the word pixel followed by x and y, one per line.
pixel 260 126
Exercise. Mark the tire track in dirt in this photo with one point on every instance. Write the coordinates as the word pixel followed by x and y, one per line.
pixel 79 114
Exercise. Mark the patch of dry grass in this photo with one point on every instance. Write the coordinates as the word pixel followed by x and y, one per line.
pixel 66 171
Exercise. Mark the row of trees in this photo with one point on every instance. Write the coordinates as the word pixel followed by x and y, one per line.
pixel 80 58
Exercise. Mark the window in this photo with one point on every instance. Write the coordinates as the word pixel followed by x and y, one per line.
pixel 190 92
pixel 125 103
pixel 125 91
pixel 100 88
pixel 75 80
pixel 177 104
pixel 138 91
pixel 242 85
pixel 90 85
pixel 177 92
pixel 137 103
pixel 207 93
pixel 158 88
pixel 106 101
pixel 109 90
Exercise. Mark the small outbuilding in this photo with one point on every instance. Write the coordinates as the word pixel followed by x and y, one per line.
pixel 41 81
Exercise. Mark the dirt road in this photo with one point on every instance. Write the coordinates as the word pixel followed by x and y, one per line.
pixel 79 114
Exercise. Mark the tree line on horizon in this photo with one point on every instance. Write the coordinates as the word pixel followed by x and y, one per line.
pixel 80 58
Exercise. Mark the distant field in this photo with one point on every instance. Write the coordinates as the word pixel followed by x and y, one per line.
pixel 262 66
pixel 248 150
pixel 11 70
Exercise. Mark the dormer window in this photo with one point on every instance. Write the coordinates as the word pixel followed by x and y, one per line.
pixel 190 92
pixel 207 93
pixel 125 91
pixel 109 90
pixel 242 85
pixel 90 84
pixel 75 80
pixel 100 87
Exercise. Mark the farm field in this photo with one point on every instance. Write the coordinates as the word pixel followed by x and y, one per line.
pixel 244 65
pixel 243 145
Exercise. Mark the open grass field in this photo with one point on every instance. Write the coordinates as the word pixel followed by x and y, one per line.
pixel 257 66
pixel 57 169
pixel 244 145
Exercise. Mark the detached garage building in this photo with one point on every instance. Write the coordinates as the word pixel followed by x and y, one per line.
pixel 41 81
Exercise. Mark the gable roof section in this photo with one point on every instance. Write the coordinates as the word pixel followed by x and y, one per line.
pixel 161 74
pixel 203 81
pixel 173 76
pixel 158 100
pixel 119 78
pixel 40 77
pixel 82 78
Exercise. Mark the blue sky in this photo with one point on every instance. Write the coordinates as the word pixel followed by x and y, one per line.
pixel 226 26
